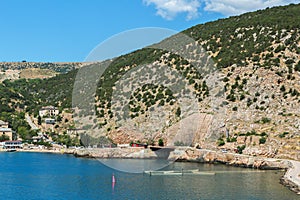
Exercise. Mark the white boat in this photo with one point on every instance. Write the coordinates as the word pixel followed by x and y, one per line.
pixel 11 150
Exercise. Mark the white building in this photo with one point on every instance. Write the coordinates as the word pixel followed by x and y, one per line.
pixel 48 111
pixel 15 144
pixel 4 130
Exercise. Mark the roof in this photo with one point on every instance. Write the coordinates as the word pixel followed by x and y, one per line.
pixel 3 122
pixel 13 141
pixel 5 130
pixel 49 119
pixel 49 108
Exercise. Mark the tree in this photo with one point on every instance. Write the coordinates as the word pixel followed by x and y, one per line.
pixel 39 120
pixel 3 138
pixel 262 140
pixel 178 112
pixel 282 88
pixel 160 142
pixel 25 133
pixel 220 142
pixel 241 148
pixel 58 118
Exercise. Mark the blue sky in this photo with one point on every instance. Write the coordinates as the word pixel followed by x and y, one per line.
pixel 67 30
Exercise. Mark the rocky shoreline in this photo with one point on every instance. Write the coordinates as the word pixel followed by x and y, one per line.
pixel 187 154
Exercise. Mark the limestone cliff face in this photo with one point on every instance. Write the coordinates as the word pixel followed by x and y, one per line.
pixel 191 154
pixel 256 104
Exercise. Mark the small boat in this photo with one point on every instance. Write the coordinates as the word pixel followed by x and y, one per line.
pixel 11 150
pixel 113 179
pixel 156 148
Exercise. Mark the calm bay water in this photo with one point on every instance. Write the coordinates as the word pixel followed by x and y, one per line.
pixel 51 176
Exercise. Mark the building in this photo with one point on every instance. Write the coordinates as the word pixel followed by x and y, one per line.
pixel 135 144
pixel 4 130
pixel 123 145
pixel 50 121
pixel 48 111
pixel 13 144
pixel 3 124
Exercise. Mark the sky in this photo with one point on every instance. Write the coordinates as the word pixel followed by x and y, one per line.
pixel 68 30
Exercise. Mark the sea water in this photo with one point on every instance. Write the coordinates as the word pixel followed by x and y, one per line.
pixel 56 176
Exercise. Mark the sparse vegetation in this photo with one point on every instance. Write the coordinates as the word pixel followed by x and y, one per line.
pixel 160 142
pixel 282 135
pixel 231 139
pixel 220 142
pixel 240 149
pixel 262 140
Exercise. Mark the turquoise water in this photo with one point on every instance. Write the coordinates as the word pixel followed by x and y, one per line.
pixel 51 176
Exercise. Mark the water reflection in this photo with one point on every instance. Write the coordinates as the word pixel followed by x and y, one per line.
pixel 135 165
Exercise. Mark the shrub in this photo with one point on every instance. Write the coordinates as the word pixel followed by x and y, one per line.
pixel 249 102
pixel 231 97
pixel 178 112
pixel 262 140
pixel 289 61
pixel 297 66
pixel 241 149
pixel 279 48
pixel 39 120
pixel 3 138
pixel 283 134
pixel 242 97
pixel 231 139
pixel 160 142
pixel 282 88
pixel 220 142
pixel 252 132
pixel 162 102
pixel 264 134
pixel 225 79
pixel 265 120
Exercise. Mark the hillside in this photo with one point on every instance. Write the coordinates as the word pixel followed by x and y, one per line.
pixel 254 58
pixel 32 70
pixel 61 67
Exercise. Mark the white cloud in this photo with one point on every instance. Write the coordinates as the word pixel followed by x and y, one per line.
pixel 235 7
pixel 168 9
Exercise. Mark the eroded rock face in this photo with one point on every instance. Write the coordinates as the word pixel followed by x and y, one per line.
pixel 241 140
pixel 202 155
pixel 188 154
pixel 115 153
pixel 123 136
pixel 292 186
